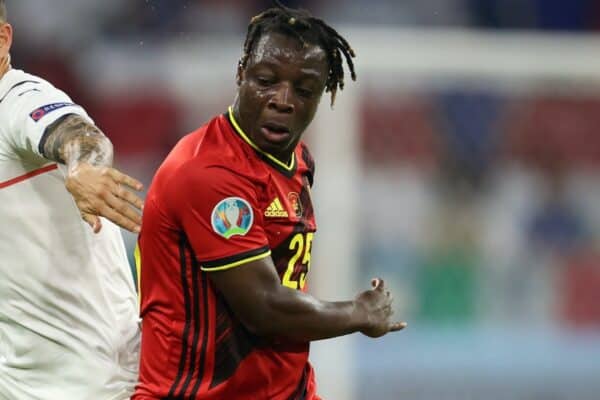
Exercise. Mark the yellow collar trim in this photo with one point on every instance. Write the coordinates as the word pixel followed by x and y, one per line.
pixel 255 147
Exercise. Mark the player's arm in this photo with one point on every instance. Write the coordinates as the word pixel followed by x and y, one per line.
pixel 97 188
pixel 240 267
pixel 269 309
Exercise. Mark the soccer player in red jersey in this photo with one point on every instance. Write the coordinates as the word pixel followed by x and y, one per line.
pixel 227 232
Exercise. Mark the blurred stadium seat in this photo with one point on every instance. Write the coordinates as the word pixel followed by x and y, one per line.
pixel 397 128
pixel 145 123
pixel 580 280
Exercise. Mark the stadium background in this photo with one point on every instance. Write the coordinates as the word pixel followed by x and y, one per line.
pixel 462 167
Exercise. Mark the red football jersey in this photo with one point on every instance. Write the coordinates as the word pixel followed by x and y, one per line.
pixel 218 202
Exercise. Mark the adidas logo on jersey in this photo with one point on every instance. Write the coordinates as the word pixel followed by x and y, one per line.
pixel 275 209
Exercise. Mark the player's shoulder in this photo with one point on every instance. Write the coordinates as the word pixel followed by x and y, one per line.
pixel 16 80
pixel 306 160
pixel 19 87
pixel 194 181
pixel 210 154
pixel 215 146
pixel 305 154
pixel 13 76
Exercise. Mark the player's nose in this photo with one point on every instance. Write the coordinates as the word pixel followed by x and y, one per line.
pixel 281 100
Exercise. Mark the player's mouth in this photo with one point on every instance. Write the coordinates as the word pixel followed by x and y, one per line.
pixel 275 133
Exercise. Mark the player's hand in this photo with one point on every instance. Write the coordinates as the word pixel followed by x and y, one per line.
pixel 375 309
pixel 102 192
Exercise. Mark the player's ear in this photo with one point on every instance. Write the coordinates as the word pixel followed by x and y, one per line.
pixel 6 34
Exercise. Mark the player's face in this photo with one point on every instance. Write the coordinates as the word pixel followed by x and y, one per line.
pixel 279 91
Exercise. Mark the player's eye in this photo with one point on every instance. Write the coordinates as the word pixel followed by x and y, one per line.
pixel 264 81
pixel 307 93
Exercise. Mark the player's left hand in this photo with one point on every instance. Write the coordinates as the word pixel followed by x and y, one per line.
pixel 100 192
pixel 375 306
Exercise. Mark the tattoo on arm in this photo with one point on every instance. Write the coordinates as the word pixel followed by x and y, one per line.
pixel 72 139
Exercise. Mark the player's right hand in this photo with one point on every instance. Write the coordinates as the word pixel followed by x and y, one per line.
pixel 375 308
pixel 101 192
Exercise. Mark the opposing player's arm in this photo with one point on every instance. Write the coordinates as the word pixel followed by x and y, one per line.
pixel 98 189
pixel 267 308
pixel 72 139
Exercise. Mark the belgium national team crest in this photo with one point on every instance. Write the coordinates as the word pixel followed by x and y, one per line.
pixel 296 204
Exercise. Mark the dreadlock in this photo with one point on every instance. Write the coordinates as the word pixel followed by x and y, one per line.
pixel 307 29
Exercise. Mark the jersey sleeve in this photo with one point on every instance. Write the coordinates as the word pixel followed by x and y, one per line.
pixel 218 211
pixel 31 108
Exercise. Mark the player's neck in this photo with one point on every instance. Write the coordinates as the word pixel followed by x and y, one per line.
pixel 285 158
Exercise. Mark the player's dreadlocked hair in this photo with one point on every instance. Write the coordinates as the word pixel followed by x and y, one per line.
pixel 307 29
pixel 3 15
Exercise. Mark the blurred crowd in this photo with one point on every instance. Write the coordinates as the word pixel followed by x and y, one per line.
pixel 70 22
pixel 493 180
pixel 489 204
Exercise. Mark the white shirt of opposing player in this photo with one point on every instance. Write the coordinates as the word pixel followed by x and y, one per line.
pixel 68 308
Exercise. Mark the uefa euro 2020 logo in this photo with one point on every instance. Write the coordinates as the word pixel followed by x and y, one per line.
pixel 232 216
